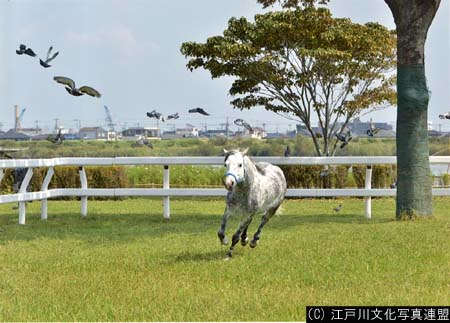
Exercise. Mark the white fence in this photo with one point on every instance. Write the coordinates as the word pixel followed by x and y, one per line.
pixel 22 196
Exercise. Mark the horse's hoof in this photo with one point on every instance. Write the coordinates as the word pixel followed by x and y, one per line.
pixel 227 258
pixel 224 241
pixel 253 243
pixel 244 242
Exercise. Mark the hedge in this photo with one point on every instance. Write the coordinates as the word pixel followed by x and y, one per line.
pixel 297 176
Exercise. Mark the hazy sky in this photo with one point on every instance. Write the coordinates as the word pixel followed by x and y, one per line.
pixel 130 51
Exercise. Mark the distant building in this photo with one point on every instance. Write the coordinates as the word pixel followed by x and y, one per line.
pixel 93 133
pixel 13 135
pixel 360 128
pixel 214 133
pixel 30 131
pixel 257 133
pixel 135 133
pixel 187 132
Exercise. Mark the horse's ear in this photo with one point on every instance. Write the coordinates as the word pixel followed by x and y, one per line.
pixel 245 151
pixel 225 151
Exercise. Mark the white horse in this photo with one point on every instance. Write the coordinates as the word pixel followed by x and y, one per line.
pixel 252 188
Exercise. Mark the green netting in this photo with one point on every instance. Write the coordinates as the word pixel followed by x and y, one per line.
pixel 413 172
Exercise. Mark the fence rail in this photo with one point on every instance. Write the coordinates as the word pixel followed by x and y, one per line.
pixel 22 196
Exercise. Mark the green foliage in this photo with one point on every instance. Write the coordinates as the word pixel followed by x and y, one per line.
pixel 446 179
pixel 302 62
pixel 350 181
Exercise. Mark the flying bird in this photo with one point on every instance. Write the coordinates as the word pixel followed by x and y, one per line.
pixel 338 208
pixel 345 136
pixel 173 116
pixel 48 59
pixel 58 139
pixel 242 123
pixel 445 116
pixel 24 50
pixel 372 129
pixel 70 87
pixel 199 110
pixel 144 142
pixel 156 115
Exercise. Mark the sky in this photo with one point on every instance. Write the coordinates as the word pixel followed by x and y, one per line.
pixel 129 50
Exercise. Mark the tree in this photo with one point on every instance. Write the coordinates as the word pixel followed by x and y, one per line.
pixel 304 65
pixel 413 19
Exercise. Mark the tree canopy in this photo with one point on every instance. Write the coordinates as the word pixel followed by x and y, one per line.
pixel 303 64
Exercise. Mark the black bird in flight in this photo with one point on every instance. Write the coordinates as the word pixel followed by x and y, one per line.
pixel 24 50
pixel 48 59
pixel 173 116
pixel 344 136
pixel 199 110
pixel 156 115
pixel 58 139
pixel 70 87
pixel 372 129
pixel 445 116
pixel 242 123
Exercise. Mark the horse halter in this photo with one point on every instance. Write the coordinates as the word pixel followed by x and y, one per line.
pixel 234 176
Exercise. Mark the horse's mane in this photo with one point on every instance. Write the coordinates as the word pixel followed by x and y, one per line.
pixel 260 168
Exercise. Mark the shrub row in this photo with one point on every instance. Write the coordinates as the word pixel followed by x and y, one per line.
pixel 300 176
pixel 297 176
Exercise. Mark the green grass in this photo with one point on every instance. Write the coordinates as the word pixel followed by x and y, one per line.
pixel 124 263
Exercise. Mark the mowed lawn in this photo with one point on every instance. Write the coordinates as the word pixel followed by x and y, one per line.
pixel 125 263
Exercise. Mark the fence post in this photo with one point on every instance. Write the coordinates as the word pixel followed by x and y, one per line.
pixel 23 189
pixel 166 199
pixel 44 187
pixel 83 181
pixel 368 199
pixel 2 173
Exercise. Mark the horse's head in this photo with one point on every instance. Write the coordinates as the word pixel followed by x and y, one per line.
pixel 234 164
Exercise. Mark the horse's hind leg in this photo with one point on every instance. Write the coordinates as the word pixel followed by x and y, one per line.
pixel 265 218
pixel 236 236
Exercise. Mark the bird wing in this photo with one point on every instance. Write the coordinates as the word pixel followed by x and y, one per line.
pixel 49 51
pixel 43 64
pixel 150 114
pixel 192 110
pixel 30 52
pixel 202 111
pixel 90 91
pixel 65 80
pixel 52 58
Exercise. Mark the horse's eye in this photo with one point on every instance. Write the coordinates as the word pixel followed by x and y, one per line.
pixel 240 165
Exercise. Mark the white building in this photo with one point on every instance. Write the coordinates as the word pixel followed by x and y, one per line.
pixel 136 133
pixel 188 131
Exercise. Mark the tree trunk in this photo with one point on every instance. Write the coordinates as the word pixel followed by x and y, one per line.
pixel 413 19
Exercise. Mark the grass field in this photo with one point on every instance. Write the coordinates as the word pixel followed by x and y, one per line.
pixel 124 263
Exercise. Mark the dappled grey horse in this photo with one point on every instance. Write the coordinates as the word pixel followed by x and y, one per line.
pixel 253 188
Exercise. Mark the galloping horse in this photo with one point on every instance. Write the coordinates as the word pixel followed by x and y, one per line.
pixel 253 188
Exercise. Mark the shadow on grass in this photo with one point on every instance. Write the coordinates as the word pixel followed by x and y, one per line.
pixel 104 228
pixel 200 256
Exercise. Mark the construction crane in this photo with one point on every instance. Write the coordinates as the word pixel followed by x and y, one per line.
pixel 109 119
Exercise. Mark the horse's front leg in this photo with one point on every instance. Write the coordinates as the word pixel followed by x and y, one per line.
pixel 237 235
pixel 221 233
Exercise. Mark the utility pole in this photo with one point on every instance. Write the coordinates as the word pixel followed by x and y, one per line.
pixel 56 124
pixel 36 122
pixel 227 128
